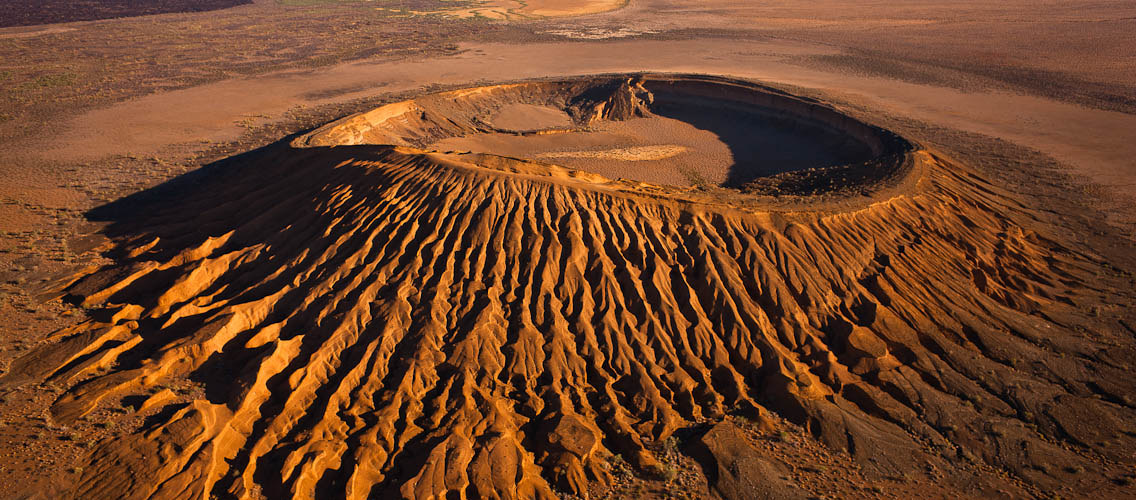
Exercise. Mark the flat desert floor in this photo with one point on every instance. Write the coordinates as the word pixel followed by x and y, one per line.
pixel 555 251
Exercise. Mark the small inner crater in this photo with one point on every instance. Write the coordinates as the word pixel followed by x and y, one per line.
pixel 663 129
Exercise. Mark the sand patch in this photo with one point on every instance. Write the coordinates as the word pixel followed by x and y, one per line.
pixel 512 10
pixel 599 33
pixel 640 153
pixel 25 33
pixel 526 117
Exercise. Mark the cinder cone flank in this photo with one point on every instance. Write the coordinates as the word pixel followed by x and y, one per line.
pixel 384 321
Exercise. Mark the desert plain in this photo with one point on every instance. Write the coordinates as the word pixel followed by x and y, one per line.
pixel 567 249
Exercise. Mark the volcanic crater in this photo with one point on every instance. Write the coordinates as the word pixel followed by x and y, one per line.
pixel 679 130
pixel 494 292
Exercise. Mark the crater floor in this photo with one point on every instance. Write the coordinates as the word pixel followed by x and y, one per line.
pixel 660 129
pixel 674 145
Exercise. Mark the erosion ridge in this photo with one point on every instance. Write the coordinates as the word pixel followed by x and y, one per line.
pixel 371 319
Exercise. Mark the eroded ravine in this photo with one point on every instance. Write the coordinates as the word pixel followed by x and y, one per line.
pixel 378 321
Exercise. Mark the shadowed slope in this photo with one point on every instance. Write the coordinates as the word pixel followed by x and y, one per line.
pixel 381 322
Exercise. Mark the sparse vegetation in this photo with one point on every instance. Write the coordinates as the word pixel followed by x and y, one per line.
pixel 665 472
pixel 619 467
pixel 52 80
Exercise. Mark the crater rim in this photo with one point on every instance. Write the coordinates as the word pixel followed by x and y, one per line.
pixel 419 123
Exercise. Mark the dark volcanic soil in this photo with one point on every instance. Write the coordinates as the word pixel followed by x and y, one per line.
pixel 32 12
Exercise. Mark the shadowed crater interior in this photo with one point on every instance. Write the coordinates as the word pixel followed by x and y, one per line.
pixel 683 130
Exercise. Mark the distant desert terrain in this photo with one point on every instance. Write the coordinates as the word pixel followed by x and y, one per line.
pixel 584 249
pixel 531 9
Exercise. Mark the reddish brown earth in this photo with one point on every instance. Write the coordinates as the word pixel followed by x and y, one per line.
pixel 698 263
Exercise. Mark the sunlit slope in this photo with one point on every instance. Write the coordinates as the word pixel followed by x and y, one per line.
pixel 385 322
